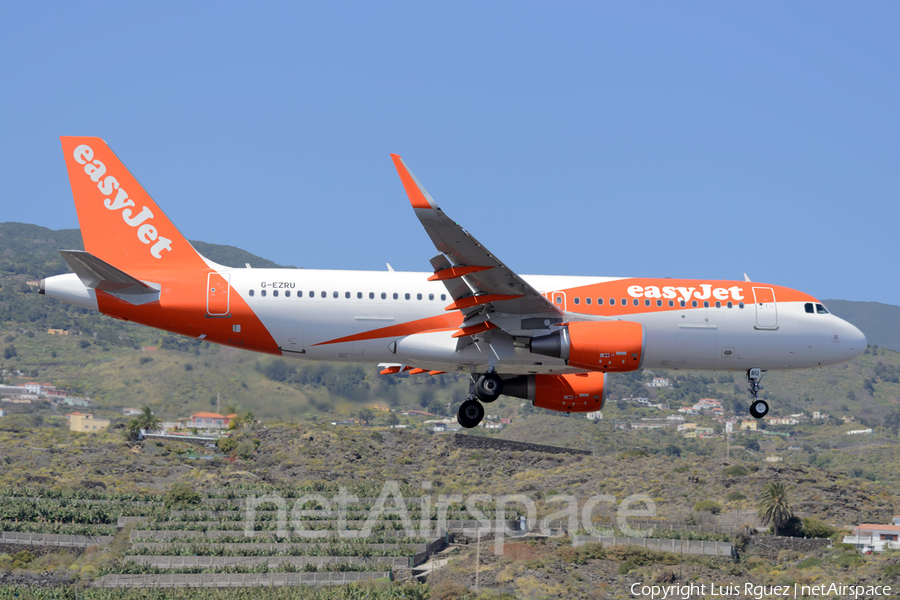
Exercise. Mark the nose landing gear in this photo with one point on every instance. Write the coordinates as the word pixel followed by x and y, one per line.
pixel 758 408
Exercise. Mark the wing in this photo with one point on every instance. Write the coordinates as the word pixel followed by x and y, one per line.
pixel 488 293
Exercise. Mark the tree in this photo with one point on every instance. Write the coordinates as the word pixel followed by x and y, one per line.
pixel 148 421
pixel 366 416
pixel 133 430
pixel 393 420
pixel 773 506
pixel 673 450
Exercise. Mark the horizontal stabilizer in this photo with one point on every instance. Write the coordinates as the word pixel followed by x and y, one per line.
pixel 99 275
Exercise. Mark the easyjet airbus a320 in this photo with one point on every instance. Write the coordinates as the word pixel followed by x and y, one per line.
pixel 552 340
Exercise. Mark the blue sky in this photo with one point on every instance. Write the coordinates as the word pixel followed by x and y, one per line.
pixel 627 139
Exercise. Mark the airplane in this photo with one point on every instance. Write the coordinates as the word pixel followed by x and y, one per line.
pixel 552 340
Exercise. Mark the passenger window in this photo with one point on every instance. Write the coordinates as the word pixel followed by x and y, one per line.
pixel 324 294
pixel 740 305
pixel 577 300
pixel 346 294
pixel 671 303
pixel 312 294
pixel 443 297
pixel 431 296
pixel 299 294
pixel 694 303
pixel 587 300
pixel 659 302
pixel 730 304
pixel 809 308
pixel 334 294
pixel 418 296
pixel 558 300
pixel 718 304
pixel 252 292
pixel 384 295
pixel 706 304
pixel 612 301
pixel 396 296
pixel 263 293
pixel 682 303
pixel 599 301
pixel 407 296
pixel 646 303
pixel 287 293
pixel 359 295
pixel 275 293
pixel 371 295
pixel 624 301
pixel 821 309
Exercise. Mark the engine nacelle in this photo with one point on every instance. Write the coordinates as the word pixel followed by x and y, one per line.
pixel 576 392
pixel 607 346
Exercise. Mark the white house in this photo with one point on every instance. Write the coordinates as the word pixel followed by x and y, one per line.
pixel 869 537
pixel 659 382
pixel 593 416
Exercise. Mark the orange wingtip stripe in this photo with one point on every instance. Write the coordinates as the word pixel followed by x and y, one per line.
pixel 471 301
pixel 390 370
pixel 436 372
pixel 416 197
pixel 474 329
pixel 416 371
pixel 454 272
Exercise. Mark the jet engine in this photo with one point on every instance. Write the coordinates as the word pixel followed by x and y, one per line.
pixel 576 392
pixel 607 346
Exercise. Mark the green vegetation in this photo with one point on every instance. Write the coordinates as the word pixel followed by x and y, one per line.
pixel 181 495
pixel 774 506
pixel 708 506
pixel 735 471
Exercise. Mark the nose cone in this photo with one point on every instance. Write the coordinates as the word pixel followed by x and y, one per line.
pixel 853 340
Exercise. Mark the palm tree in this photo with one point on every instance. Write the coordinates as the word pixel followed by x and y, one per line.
pixel 148 421
pixel 133 430
pixel 773 506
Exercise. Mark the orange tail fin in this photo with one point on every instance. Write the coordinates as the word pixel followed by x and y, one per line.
pixel 120 222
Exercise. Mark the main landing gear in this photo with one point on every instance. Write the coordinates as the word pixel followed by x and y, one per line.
pixel 485 388
pixel 758 408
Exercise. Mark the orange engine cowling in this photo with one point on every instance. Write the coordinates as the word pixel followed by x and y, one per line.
pixel 607 346
pixel 576 392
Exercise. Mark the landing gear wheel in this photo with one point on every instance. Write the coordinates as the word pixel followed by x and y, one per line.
pixel 470 413
pixel 488 387
pixel 759 409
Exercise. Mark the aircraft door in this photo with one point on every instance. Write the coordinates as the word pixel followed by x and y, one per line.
pixel 766 310
pixel 559 300
pixel 217 294
pixel 292 340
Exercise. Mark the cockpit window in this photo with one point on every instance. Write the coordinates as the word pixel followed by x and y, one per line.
pixel 809 307
pixel 821 310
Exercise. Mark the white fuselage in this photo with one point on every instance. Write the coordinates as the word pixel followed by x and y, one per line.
pixel 326 305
